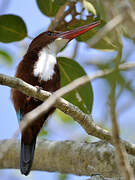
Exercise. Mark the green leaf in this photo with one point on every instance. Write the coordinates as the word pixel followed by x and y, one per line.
pixel 82 96
pixel 12 28
pixel 5 57
pixel 50 7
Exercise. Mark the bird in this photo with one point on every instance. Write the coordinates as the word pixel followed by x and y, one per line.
pixel 39 68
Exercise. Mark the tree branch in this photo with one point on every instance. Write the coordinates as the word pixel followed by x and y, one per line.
pixel 81 158
pixel 83 119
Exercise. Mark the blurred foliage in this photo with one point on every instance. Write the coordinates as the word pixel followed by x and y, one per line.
pixel 5 57
pixel 117 75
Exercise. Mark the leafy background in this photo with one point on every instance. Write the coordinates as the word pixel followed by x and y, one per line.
pixel 20 21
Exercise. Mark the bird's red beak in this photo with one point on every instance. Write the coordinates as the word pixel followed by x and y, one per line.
pixel 78 31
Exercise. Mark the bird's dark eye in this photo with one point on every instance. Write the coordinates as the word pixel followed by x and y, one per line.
pixel 49 33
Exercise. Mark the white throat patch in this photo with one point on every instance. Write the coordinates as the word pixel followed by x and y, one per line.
pixel 44 67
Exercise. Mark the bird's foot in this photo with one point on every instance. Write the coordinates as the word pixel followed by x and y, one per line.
pixel 38 88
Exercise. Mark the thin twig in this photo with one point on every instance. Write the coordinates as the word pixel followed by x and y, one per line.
pixel 75 50
pixel 124 165
pixel 61 14
pixel 107 28
pixel 58 18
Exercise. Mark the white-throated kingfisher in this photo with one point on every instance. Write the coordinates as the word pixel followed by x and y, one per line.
pixel 39 68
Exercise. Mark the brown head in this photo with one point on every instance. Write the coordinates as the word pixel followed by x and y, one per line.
pixel 45 38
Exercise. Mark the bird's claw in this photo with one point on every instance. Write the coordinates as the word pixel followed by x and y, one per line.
pixel 38 88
